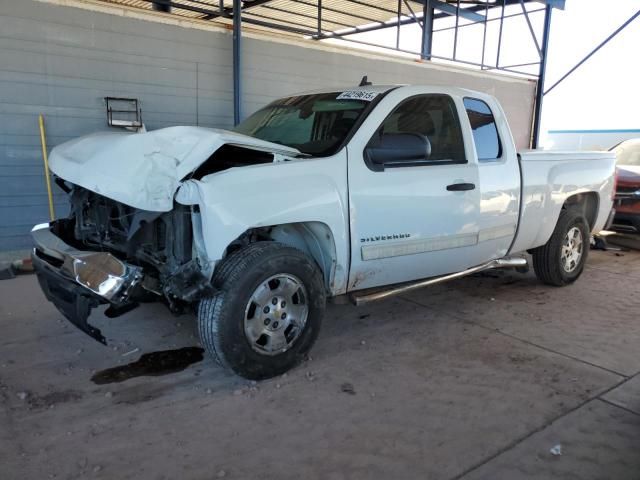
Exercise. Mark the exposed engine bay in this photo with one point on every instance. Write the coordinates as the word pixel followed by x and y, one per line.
pixel 159 242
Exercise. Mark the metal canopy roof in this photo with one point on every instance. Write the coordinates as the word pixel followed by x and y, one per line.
pixel 327 18
pixel 345 19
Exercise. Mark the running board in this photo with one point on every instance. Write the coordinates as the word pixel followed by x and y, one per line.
pixel 364 298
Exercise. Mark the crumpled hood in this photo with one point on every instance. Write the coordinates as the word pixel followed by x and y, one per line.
pixel 144 170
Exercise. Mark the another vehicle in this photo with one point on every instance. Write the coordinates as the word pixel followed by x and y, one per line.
pixel 627 197
pixel 365 192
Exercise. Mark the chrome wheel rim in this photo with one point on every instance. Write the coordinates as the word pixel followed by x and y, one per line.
pixel 572 249
pixel 276 314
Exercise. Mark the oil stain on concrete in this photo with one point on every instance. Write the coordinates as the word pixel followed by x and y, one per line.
pixel 151 364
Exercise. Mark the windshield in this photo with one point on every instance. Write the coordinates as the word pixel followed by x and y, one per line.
pixel 314 124
pixel 628 153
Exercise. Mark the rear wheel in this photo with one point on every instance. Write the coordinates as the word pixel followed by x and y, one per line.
pixel 561 260
pixel 267 312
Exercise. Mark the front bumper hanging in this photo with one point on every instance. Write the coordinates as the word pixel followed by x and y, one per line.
pixel 77 281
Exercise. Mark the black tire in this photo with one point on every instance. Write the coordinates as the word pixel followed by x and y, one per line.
pixel 221 317
pixel 547 261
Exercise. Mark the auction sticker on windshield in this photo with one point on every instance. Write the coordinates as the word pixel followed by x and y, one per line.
pixel 357 95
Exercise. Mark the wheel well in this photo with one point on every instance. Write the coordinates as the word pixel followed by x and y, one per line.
pixel 313 238
pixel 587 203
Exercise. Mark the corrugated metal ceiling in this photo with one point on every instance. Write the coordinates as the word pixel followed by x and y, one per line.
pixel 336 15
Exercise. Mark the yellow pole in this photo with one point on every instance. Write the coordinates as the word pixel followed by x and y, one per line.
pixel 45 158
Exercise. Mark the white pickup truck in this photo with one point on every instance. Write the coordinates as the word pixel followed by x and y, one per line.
pixel 364 192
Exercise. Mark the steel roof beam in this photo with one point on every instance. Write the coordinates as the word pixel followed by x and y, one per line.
pixel 284 28
pixel 376 7
pixel 168 3
pixel 590 54
pixel 489 20
pixel 553 3
pixel 227 12
pixel 416 19
pixel 413 14
pixel 303 15
pixel 367 28
pixel 478 8
pixel 449 9
pixel 329 9
pixel 531 30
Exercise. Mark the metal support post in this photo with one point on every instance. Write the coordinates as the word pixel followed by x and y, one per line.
pixel 237 36
pixel 537 116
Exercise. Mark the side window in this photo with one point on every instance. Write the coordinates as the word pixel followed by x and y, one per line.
pixel 433 116
pixel 485 131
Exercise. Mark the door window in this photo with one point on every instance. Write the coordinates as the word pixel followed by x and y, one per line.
pixel 485 132
pixel 433 116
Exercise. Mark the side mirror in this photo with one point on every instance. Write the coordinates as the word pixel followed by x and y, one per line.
pixel 397 149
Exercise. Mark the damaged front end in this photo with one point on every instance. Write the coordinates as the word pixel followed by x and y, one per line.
pixel 106 252
pixel 127 240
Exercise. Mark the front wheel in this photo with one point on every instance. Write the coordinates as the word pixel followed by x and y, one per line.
pixel 267 312
pixel 561 260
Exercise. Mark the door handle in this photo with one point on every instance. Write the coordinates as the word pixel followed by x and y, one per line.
pixel 460 187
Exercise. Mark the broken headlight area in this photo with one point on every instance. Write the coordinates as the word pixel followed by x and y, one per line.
pixel 106 252
pixel 161 243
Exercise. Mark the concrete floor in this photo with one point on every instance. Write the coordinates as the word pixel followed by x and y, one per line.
pixel 477 379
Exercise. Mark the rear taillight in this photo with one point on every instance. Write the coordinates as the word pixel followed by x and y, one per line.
pixel 615 184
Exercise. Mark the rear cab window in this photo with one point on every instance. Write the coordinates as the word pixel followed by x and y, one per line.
pixel 484 129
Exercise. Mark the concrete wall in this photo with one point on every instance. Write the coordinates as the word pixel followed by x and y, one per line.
pixel 61 61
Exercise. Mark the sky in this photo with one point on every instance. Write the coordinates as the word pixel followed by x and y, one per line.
pixel 604 93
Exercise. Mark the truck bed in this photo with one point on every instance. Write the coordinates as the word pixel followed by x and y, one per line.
pixel 549 178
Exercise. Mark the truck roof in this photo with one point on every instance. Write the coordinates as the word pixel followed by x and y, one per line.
pixel 385 88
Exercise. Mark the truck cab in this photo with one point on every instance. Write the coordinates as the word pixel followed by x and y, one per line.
pixel 467 177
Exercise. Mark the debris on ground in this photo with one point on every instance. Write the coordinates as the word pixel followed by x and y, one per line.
pixel 9 270
pixel 556 450
pixel 598 243
pixel 24 265
pixel 6 272
pixel 347 388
